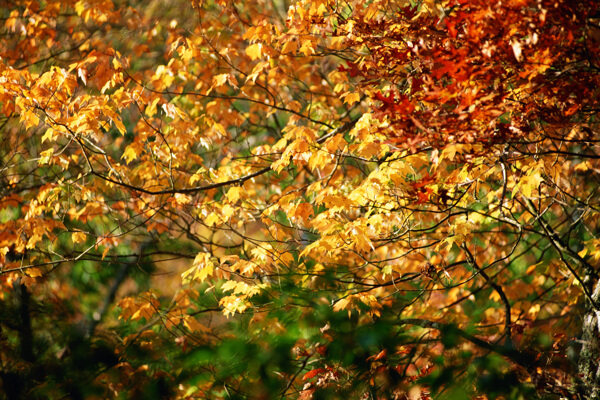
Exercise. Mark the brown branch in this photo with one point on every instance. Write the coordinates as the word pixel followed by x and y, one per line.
pixel 498 289
pixel 562 249
pixel 516 356
pixel 238 181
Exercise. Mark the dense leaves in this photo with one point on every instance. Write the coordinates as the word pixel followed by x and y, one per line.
pixel 305 199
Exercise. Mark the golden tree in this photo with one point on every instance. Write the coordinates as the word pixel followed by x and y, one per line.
pixel 314 199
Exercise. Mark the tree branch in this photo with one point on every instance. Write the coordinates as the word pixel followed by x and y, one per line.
pixel 497 288
pixel 238 181
pixel 517 357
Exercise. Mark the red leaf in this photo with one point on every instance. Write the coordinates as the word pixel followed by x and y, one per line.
pixel 322 350
pixel 379 355
pixel 387 101
pixel 451 28
pixel 422 197
pixel 352 69
pixel 313 373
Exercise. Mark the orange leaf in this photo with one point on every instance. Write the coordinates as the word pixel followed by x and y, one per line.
pixel 313 373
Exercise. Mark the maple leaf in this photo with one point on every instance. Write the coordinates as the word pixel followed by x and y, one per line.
pixel 78 237
pixel 254 51
pixel 202 267
pixel 352 69
pixel 351 98
pixel 312 373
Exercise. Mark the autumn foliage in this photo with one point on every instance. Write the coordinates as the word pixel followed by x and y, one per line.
pixel 301 199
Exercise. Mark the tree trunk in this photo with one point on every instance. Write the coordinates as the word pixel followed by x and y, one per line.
pixel 589 361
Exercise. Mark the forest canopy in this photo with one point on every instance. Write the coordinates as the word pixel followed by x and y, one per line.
pixel 300 199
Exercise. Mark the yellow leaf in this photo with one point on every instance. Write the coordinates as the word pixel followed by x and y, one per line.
pixel 351 98
pixel 370 149
pixel 46 155
pixel 129 154
pixel 583 166
pixel 211 219
pixel 120 127
pixel 534 310
pixel 280 164
pixel 387 270
pixel 530 183
pixel 202 268
pixel 307 48
pixel 229 286
pixel 254 51
pixel 117 64
pixel 303 211
pixel 181 198
pixel 341 304
pixel 34 272
pixel 80 7
pixel 30 119
pixel 219 80
pixel 319 159
pixel 450 151
pixel 219 129
pixel 151 109
pixel 289 47
pixel 337 42
pixel 49 135
pixel 33 240
pixel 335 143
pixel 227 211
pixel 233 304
pixel 233 194
pixel 78 237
